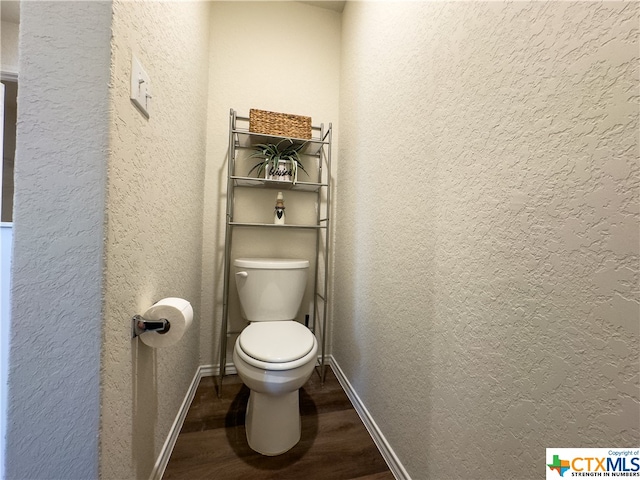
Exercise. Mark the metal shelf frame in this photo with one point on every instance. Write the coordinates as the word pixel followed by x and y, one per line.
pixel 318 146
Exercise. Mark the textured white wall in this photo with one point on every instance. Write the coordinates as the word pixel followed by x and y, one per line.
pixel 154 229
pixel 9 47
pixel 486 297
pixel 54 376
pixel 293 70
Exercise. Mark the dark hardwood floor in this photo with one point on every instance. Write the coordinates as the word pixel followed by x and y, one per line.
pixel 335 445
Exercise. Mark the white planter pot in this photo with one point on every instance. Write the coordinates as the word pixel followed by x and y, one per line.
pixel 281 174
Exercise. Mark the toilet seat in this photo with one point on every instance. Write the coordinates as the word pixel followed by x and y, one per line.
pixel 278 345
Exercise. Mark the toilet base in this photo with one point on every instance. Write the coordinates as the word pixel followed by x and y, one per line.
pixel 273 422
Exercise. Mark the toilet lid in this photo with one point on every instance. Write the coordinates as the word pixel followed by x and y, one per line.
pixel 276 342
pixel 271 263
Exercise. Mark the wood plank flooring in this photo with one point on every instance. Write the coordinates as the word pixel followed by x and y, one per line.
pixel 335 445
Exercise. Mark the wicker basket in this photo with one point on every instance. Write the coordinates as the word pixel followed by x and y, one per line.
pixel 282 124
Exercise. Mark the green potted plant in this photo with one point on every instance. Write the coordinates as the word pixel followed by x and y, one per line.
pixel 280 161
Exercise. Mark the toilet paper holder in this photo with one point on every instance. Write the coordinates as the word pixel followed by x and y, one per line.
pixel 139 325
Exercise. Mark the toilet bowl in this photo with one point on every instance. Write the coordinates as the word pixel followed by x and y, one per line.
pixel 275 355
pixel 273 414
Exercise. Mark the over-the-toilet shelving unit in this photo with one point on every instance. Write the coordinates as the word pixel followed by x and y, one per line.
pixel 317 161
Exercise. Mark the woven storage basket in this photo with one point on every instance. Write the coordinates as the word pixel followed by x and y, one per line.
pixel 282 124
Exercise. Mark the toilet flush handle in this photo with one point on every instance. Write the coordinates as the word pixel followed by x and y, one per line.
pixel 242 274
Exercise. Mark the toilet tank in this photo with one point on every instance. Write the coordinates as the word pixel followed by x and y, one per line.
pixel 270 288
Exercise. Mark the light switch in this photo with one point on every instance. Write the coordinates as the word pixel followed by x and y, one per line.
pixel 140 87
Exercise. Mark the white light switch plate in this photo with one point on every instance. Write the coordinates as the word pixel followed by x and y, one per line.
pixel 140 87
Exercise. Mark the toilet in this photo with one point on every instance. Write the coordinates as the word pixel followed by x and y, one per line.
pixel 274 355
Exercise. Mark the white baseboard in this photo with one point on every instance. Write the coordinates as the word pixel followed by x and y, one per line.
pixel 170 442
pixel 210 370
pixel 378 438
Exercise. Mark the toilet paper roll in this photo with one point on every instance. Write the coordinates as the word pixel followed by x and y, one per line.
pixel 179 313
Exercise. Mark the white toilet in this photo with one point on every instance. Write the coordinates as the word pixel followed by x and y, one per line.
pixel 275 355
